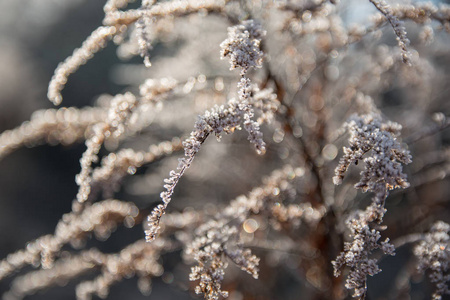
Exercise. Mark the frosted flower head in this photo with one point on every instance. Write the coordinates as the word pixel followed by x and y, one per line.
pixel 242 46
pixel 377 141
pixel 433 254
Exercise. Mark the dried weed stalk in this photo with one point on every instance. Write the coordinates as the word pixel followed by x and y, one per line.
pixel 306 79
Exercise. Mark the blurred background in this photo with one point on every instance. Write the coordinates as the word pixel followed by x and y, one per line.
pixel 37 185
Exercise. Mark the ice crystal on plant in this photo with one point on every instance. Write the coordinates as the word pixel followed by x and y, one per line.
pixel 433 254
pixel 144 37
pixel 244 53
pixel 356 254
pixel 94 43
pixel 317 69
pixel 216 240
pixel 101 218
pixel 242 46
pixel 251 126
pixel 397 25
pixel 218 120
pixel 371 137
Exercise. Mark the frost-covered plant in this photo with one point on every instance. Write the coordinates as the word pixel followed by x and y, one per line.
pixel 433 254
pixel 242 46
pixel 296 73
pixel 375 143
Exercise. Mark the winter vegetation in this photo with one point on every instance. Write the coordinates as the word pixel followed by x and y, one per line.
pixel 294 149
